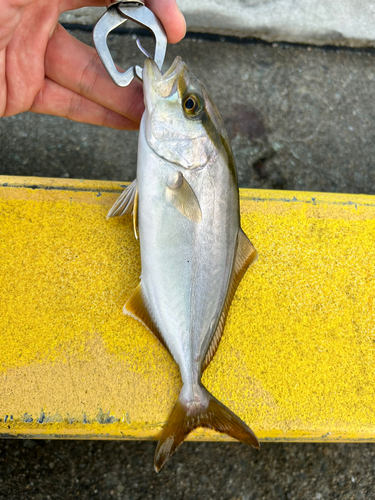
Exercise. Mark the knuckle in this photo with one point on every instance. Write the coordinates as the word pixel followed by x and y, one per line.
pixel 74 107
pixel 90 75
pixel 106 119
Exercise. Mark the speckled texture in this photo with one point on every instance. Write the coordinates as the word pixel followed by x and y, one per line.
pixel 56 470
pixel 296 358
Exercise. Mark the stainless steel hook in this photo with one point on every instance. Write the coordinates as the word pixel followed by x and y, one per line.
pixel 117 14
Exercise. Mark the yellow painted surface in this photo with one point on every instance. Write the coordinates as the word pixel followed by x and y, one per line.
pixel 297 358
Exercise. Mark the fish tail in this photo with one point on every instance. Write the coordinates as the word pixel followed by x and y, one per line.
pixel 204 411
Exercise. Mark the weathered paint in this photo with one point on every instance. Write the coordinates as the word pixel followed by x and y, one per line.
pixel 296 360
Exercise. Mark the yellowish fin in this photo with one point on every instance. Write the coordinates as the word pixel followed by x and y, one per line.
pixel 135 213
pixel 245 256
pixel 214 416
pixel 181 194
pixel 137 308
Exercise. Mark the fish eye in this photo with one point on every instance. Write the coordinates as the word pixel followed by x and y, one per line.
pixel 192 105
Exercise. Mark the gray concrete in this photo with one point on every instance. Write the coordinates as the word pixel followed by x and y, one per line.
pixel 61 470
pixel 83 16
pixel 345 22
pixel 298 119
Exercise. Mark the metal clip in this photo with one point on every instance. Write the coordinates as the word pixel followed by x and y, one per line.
pixel 117 14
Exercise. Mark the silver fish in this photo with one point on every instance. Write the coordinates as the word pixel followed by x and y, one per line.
pixel 194 253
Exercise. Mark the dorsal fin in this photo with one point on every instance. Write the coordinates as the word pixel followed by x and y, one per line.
pixel 137 308
pixel 125 202
pixel 245 255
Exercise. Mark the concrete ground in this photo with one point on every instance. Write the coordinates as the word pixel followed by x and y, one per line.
pixel 349 23
pixel 299 118
pixel 43 470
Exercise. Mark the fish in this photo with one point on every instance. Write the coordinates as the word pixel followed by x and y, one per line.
pixel 185 205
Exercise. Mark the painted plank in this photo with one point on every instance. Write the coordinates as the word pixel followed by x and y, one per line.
pixel 296 360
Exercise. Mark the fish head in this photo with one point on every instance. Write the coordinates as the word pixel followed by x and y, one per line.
pixel 182 124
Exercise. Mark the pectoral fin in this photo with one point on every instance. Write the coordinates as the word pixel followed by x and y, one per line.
pixel 125 202
pixel 135 213
pixel 137 308
pixel 244 257
pixel 181 194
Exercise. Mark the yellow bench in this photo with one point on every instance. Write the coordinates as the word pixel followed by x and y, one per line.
pixel 297 358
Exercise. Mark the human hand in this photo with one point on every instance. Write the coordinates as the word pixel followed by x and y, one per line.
pixel 46 70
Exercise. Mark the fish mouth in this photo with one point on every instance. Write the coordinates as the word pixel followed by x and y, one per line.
pixel 156 84
pixel 174 71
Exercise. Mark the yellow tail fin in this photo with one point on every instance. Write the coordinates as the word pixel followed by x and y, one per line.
pixel 185 418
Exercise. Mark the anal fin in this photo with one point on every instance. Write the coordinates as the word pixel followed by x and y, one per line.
pixel 137 307
pixel 245 255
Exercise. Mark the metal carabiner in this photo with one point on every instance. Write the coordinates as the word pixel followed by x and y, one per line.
pixel 117 14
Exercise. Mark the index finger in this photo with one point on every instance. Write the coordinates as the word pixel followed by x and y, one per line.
pixel 171 18
pixel 166 10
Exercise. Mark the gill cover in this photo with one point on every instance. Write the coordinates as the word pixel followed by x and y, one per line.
pixel 177 122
